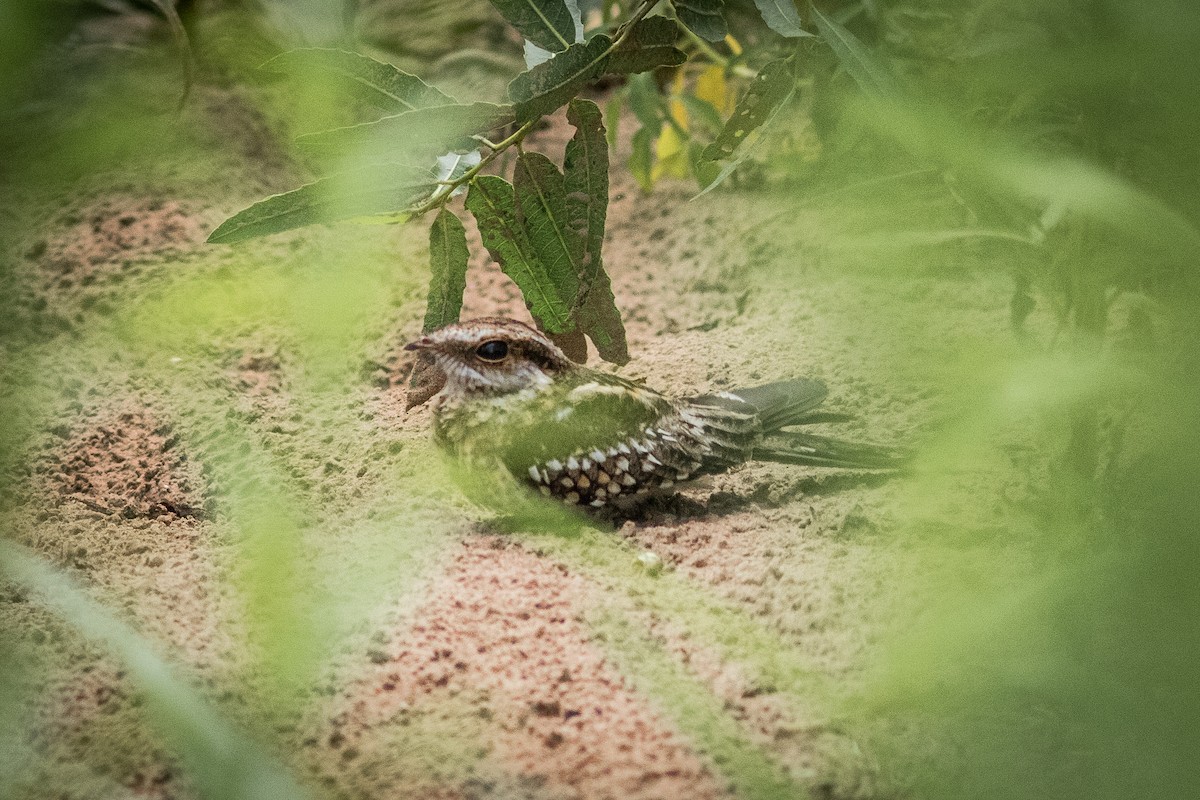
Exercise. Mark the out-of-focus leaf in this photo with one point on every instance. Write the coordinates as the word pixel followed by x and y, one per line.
pixel 712 88
pixel 356 193
pixel 541 203
pixel 772 87
pixel 670 150
pixel 746 148
pixel 702 112
pixel 643 100
pixel 548 86
pixel 219 761
pixel 704 171
pixel 434 128
pixel 491 200
pixel 703 18
pixel 546 23
pixel 182 42
pixel 650 44
pixel 612 120
pixel 448 256
pixel 781 17
pixel 585 169
pixel 641 158
pixel 867 71
pixel 374 81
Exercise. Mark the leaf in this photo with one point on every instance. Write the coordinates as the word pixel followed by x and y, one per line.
pixel 702 112
pixel 744 151
pixel 491 200
pixel 431 130
pixel 546 23
pixel 650 44
pixel 670 150
pixel 641 158
pixel 703 18
pixel 612 119
pixel 448 256
pixel 643 100
pixel 712 88
pixel 585 169
pixel 374 81
pixel 601 320
pixel 770 89
pixel 868 72
pixel 356 193
pixel 704 171
pixel 548 86
pixel 781 17
pixel 217 760
pixel 541 205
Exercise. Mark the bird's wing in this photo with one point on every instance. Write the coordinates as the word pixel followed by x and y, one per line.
pixel 776 405
pixel 593 411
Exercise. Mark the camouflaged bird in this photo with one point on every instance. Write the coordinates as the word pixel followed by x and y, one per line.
pixel 512 398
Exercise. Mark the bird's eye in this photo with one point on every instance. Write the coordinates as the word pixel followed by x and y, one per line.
pixel 495 350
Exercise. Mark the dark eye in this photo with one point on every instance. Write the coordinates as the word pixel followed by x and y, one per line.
pixel 494 350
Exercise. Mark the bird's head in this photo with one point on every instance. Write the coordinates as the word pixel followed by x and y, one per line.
pixel 493 355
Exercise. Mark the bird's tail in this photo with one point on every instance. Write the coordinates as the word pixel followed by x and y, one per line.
pixel 794 447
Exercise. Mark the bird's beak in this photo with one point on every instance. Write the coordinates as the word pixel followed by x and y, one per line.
pixel 424 343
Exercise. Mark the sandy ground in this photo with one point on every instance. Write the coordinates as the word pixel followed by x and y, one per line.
pixel 466 662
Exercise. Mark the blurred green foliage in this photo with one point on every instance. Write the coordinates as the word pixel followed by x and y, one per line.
pixel 1051 643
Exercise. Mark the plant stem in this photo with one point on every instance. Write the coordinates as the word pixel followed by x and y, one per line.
pixel 741 70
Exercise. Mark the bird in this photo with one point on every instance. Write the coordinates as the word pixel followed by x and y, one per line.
pixel 513 400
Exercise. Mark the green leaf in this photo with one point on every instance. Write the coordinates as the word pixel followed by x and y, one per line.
pixel 743 152
pixel 872 76
pixel 781 17
pixel 373 81
pixel 644 100
pixel 380 189
pixel 585 169
pixel 448 256
pixel 650 44
pixel 492 201
pixel 706 172
pixel 703 112
pixel 217 760
pixel 551 84
pixel 612 119
pixel 771 88
pixel 541 204
pixel 424 131
pixel 703 18
pixel 546 23
pixel 641 159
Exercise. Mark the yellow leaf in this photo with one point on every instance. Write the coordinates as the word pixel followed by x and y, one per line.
pixel 734 47
pixel 713 89
pixel 671 154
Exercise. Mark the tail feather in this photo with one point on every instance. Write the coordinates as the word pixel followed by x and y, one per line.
pixel 809 449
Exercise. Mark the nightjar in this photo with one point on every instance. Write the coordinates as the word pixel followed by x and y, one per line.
pixel 513 399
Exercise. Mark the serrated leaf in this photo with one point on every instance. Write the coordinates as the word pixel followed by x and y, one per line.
pixel 548 86
pixel 355 193
pixel 432 131
pixel 492 201
pixel 641 158
pixel 448 257
pixel 649 45
pixel 872 76
pixel 546 23
pixel 585 169
pixel 374 81
pixel 781 16
pixel 601 320
pixel 703 18
pixel 541 205
pixel 773 85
